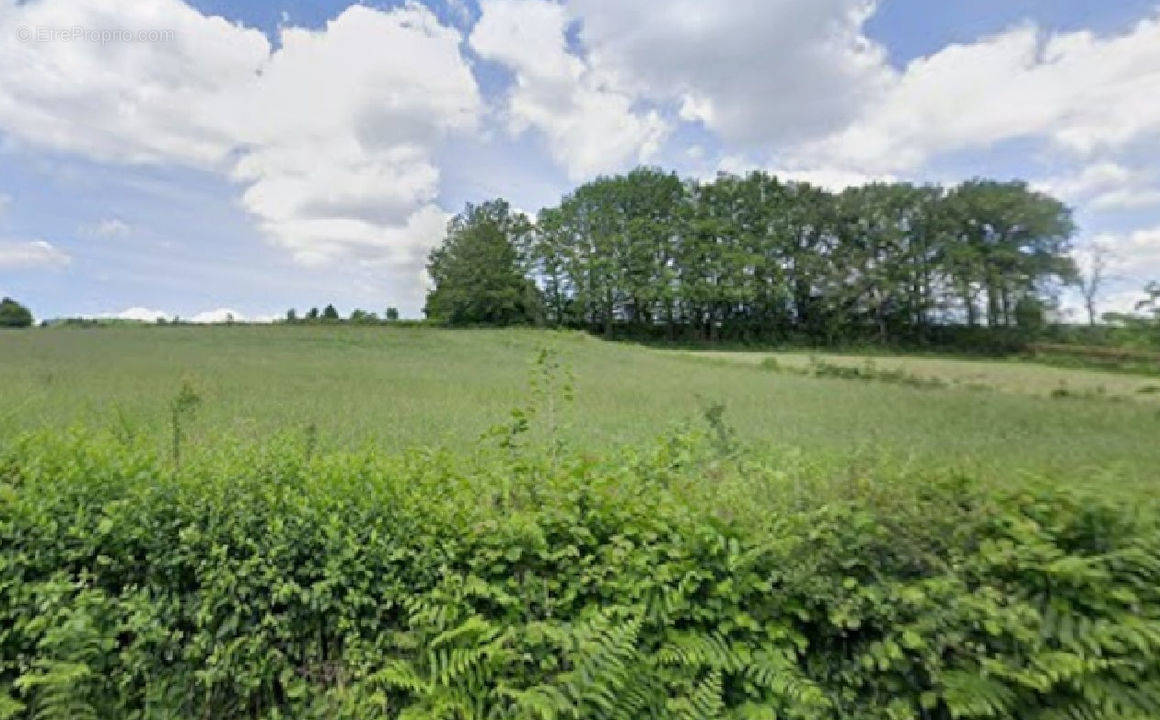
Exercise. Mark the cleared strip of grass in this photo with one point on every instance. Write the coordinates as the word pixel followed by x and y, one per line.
pixel 1011 376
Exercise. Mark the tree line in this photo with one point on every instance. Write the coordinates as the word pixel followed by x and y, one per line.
pixel 329 314
pixel 759 257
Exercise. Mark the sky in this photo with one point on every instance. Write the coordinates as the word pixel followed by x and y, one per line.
pixel 204 158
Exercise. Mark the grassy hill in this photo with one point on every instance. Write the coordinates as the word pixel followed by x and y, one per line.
pixel 405 387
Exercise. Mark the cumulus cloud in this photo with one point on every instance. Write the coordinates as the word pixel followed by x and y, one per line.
pixel 219 315
pixel 1136 254
pixel 124 101
pixel 17 255
pixel 141 314
pixel 1078 92
pixel 589 125
pixel 1106 185
pixel 330 135
pixel 758 72
pixel 341 165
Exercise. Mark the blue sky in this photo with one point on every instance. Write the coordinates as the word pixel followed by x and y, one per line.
pixel 252 156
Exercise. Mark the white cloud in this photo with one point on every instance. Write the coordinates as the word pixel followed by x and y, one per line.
pixel 834 179
pixel 16 255
pixel 342 166
pixel 460 11
pixel 1130 261
pixel 124 101
pixel 589 126
pixel 139 313
pixel 1106 185
pixel 219 315
pixel 109 227
pixel 1126 199
pixel 1135 254
pixel 758 72
pixel 1080 93
pixel 323 240
pixel 331 135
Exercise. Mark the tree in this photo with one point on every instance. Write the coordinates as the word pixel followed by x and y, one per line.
pixel 1091 276
pixel 755 257
pixel 392 314
pixel 480 271
pixel 606 253
pixel 1008 241
pixel 13 314
pixel 291 315
pixel 329 313
pixel 312 314
pixel 1151 303
pixel 1030 314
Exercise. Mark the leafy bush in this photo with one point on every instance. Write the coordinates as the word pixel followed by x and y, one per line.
pixel 674 581
pixel 13 314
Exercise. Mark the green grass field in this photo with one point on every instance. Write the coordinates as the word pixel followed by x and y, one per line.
pixel 405 387
pixel 1014 376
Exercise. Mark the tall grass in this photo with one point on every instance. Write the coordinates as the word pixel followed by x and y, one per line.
pixel 401 387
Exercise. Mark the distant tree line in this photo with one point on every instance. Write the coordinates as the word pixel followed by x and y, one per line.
pixel 759 257
pixel 329 314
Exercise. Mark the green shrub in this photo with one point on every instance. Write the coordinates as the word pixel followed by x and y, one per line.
pixel 13 314
pixel 669 581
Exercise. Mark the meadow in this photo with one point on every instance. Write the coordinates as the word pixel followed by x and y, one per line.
pixel 403 387
pixel 1012 375
pixel 411 522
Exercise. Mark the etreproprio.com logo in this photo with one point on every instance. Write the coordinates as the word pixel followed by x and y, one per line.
pixel 81 33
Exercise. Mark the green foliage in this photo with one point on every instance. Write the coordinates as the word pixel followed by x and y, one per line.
pixel 13 314
pixel 359 316
pixel 181 408
pixel 1151 301
pixel 755 258
pixel 668 580
pixel 479 270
